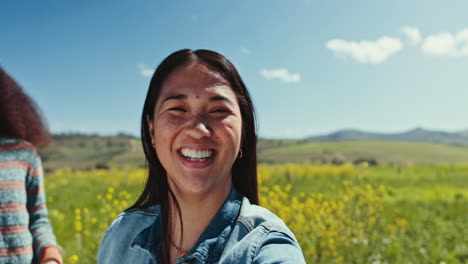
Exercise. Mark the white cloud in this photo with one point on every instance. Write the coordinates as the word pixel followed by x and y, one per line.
pixel 282 74
pixel 447 44
pixel 412 34
pixel 440 44
pixel 245 50
pixel 366 51
pixel 145 71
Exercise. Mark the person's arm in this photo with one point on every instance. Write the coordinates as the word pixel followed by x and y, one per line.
pixel 51 255
pixel 277 247
pixel 44 242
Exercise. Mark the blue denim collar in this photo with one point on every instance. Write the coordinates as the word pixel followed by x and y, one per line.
pixel 150 237
pixel 209 246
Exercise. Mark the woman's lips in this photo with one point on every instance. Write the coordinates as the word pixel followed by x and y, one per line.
pixel 195 153
pixel 196 163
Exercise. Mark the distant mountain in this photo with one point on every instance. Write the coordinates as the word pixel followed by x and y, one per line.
pixel 415 135
pixel 463 133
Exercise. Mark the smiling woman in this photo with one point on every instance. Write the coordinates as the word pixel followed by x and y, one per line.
pixel 200 202
pixel 196 131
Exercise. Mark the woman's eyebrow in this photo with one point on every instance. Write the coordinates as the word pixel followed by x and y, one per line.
pixel 216 98
pixel 174 97
pixel 221 98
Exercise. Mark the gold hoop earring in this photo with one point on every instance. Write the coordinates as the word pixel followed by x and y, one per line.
pixel 240 154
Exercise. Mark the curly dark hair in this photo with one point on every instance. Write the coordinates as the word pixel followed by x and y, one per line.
pixel 20 117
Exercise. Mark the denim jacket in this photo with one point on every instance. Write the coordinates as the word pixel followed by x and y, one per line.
pixel 239 233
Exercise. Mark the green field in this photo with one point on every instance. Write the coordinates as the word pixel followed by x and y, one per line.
pixel 87 152
pixel 385 152
pixel 340 214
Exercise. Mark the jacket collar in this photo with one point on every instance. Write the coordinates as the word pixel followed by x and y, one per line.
pixel 210 244
pixel 149 238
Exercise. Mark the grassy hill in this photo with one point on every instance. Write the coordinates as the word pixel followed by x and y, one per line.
pixel 84 152
pixel 383 152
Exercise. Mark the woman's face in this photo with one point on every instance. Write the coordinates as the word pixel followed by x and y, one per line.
pixel 196 130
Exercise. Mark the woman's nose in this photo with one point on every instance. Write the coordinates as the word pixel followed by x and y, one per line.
pixel 198 128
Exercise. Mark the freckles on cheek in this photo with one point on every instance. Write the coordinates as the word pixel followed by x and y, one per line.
pixel 165 126
pixel 232 123
pixel 232 128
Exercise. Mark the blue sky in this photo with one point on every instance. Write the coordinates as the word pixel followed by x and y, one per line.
pixel 312 67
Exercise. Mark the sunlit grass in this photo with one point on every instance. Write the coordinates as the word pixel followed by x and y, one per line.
pixel 339 214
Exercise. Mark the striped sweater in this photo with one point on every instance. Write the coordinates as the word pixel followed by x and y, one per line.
pixel 25 231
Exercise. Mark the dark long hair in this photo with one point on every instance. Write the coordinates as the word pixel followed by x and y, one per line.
pixel 244 170
pixel 19 115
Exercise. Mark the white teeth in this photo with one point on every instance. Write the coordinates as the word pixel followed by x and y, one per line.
pixel 195 154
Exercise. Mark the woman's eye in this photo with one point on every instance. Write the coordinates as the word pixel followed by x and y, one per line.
pixel 220 110
pixel 178 109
